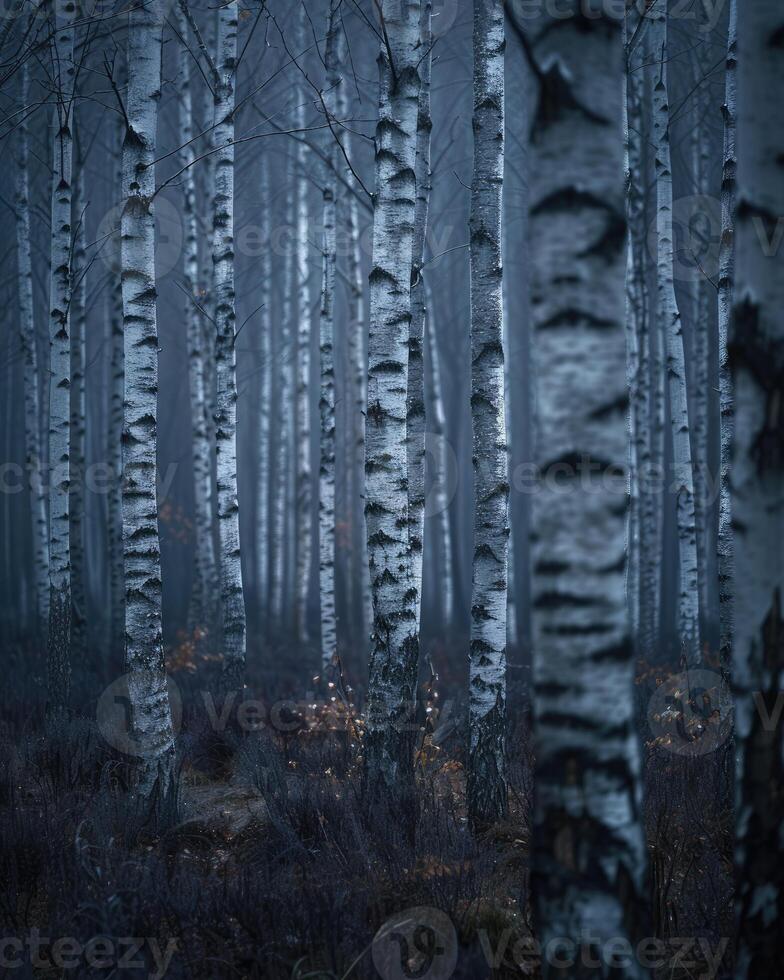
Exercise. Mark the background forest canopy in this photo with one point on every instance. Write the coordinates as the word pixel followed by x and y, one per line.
pixel 392 484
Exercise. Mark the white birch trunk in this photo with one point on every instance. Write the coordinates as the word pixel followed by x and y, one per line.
pixel 203 613
pixel 756 355
pixel 27 336
pixel 304 519
pixel 58 652
pixel 440 457
pixel 232 603
pixel 415 397
pixel 115 428
pixel 589 853
pixel 147 683
pixel 670 323
pixel 78 322
pixel 726 285
pixel 263 536
pixel 486 788
pixel 395 641
pixel 327 366
pixel 280 600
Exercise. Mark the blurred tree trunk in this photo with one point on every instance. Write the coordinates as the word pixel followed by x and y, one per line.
pixel 756 356
pixel 147 685
pixel 589 854
pixel 487 786
pixel 395 641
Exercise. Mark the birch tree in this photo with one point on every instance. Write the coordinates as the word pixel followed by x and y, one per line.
pixel 114 450
pixel 232 603
pixel 29 345
pixel 58 650
pixel 440 457
pixel 147 685
pixel 415 397
pixel 486 786
pixel 395 641
pixel 327 367
pixel 78 322
pixel 263 536
pixel 670 323
pixel 203 613
pixel 588 844
pixel 726 285
pixel 756 357
pixel 645 383
pixel 304 525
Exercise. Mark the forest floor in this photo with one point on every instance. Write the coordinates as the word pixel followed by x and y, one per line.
pixel 264 861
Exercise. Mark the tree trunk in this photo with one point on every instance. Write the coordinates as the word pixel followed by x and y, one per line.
pixel 756 357
pixel 147 684
pixel 32 382
pixel 232 603
pixel 263 536
pixel 415 398
pixel 114 449
pixel 202 615
pixel 395 640
pixel 78 320
pixel 326 340
pixel 440 457
pixel 726 284
pixel 670 323
pixel 59 643
pixel 486 787
pixel 589 853
pixel 304 520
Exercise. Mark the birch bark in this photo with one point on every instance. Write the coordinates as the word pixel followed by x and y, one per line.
pixel 486 787
pixel 326 346
pixel 415 397
pixel 395 641
pixel 59 633
pixel 78 321
pixel 726 288
pixel 232 603
pixel 32 381
pixel 265 407
pixel 756 357
pixel 304 521
pixel 670 323
pixel 588 844
pixel 203 616
pixel 147 684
